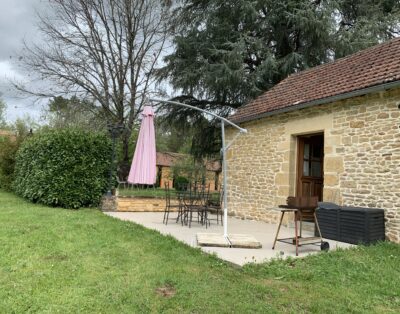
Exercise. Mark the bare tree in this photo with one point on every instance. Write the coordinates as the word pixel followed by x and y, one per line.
pixel 101 50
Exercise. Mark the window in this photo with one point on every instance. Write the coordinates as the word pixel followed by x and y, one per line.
pixel 312 158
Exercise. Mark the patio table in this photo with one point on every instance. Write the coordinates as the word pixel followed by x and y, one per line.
pixel 194 201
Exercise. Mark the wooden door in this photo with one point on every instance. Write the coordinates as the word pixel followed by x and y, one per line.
pixel 310 174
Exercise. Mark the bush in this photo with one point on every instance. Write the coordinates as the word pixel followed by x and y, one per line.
pixel 181 183
pixel 66 168
pixel 8 151
pixel 9 144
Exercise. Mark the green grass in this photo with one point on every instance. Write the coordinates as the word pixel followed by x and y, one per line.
pixel 154 193
pixel 57 260
pixel 138 192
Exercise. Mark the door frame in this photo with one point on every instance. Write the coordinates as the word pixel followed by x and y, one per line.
pixel 299 161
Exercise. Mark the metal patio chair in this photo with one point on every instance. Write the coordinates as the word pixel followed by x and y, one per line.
pixel 195 200
pixel 215 206
pixel 169 206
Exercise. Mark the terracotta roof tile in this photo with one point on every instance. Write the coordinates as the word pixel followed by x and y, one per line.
pixel 168 159
pixel 370 67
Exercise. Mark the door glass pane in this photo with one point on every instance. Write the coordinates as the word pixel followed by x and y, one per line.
pixel 306 168
pixel 317 151
pixel 306 151
pixel 316 169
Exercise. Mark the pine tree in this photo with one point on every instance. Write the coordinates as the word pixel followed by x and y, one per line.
pixel 228 52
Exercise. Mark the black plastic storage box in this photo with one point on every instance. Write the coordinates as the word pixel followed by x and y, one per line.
pixel 328 220
pixel 353 225
pixel 361 225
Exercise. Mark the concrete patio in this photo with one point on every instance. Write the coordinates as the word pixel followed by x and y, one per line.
pixel 263 232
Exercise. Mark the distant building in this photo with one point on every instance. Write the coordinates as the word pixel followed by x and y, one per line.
pixel 165 162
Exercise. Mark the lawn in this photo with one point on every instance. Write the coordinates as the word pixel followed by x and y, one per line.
pixel 140 192
pixel 57 260
pixel 155 193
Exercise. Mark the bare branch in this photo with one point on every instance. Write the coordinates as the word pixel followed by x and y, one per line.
pixel 103 49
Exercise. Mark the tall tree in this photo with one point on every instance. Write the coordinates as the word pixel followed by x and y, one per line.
pixel 170 138
pixel 228 52
pixel 104 51
pixel 64 112
pixel 362 23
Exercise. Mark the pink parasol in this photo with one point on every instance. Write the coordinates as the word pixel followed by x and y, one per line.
pixel 143 169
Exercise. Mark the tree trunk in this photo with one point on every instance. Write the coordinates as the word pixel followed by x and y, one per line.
pixel 125 162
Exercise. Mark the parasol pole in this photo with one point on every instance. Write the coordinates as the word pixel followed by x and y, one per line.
pixel 223 150
pixel 225 190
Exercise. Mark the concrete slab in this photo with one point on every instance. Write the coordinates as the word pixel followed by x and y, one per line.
pixel 263 232
pixel 244 241
pixel 212 239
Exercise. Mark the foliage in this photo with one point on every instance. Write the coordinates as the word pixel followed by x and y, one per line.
pixel 189 131
pixel 8 150
pixel 104 51
pixel 67 168
pixel 181 183
pixel 3 123
pixel 363 23
pixel 73 112
pixel 84 261
pixel 171 138
pixel 139 192
pixel 228 52
pixel 157 193
pixel 190 169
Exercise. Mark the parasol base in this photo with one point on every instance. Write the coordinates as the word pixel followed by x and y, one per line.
pixel 243 241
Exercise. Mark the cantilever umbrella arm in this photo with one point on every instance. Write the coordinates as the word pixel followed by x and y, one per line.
pixel 225 147
pixel 232 141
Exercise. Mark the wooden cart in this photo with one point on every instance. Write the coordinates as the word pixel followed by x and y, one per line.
pixel 303 209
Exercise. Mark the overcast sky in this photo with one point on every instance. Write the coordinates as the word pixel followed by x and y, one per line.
pixel 17 23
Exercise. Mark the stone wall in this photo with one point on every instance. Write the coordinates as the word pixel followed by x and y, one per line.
pixel 166 176
pixel 135 204
pixel 361 158
pixel 108 203
pixel 142 204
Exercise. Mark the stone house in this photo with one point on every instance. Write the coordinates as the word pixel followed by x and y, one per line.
pixel 165 162
pixel 332 131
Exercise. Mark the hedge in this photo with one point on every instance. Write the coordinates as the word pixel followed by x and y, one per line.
pixel 8 151
pixel 64 168
pixel 181 183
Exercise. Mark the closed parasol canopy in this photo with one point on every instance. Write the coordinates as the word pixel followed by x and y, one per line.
pixel 143 168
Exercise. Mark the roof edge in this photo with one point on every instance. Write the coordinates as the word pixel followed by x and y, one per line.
pixel 321 101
